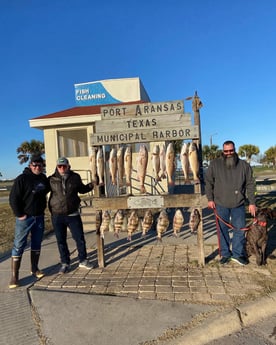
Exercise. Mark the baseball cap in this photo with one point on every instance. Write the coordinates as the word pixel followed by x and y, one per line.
pixel 62 161
pixel 36 159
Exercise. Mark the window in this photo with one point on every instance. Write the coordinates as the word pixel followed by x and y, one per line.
pixel 73 143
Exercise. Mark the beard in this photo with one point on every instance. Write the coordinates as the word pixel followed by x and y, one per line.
pixel 231 161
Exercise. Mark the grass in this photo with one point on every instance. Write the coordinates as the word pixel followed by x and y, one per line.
pixel 7 223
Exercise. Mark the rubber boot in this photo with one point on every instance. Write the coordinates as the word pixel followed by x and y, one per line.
pixel 15 265
pixel 35 271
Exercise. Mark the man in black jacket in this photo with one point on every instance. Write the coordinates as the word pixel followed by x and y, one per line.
pixel 28 202
pixel 64 203
pixel 229 182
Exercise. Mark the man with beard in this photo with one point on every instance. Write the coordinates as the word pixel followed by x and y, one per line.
pixel 229 182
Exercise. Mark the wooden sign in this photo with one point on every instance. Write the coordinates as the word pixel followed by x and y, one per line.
pixel 145 135
pixel 142 109
pixel 165 121
pixel 148 201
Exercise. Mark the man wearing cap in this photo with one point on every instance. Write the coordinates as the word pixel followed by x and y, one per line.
pixel 64 203
pixel 28 202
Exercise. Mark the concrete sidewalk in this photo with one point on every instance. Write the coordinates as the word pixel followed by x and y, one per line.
pixel 148 293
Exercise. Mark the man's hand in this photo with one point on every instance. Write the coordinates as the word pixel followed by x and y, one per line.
pixel 252 210
pixel 211 204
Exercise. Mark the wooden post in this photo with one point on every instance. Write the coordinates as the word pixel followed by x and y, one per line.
pixel 196 105
pixel 100 240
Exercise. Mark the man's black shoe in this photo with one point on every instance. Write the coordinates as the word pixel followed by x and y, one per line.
pixel 241 260
pixel 224 260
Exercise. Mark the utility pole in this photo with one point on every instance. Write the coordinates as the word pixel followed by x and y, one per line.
pixel 211 139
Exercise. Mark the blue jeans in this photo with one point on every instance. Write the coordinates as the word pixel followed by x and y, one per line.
pixel 33 225
pixel 74 223
pixel 236 217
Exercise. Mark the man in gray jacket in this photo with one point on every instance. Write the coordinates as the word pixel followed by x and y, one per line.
pixel 229 182
pixel 64 202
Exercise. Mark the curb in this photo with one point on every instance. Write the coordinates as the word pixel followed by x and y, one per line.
pixel 229 322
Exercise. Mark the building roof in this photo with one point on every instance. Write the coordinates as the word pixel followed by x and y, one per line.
pixel 79 111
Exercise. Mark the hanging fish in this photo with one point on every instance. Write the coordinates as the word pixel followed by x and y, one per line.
pixel 120 165
pixel 105 223
pixel 178 221
pixel 162 224
pixel 184 158
pixel 194 162
pixel 142 162
pixel 128 164
pixel 100 166
pixel 170 163
pixel 194 220
pixel 113 165
pixel 132 224
pixel 155 158
pixel 162 155
pixel 93 164
pixel 118 222
pixel 147 222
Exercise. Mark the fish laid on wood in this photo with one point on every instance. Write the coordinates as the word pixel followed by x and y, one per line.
pixel 194 162
pixel 155 159
pixel 147 222
pixel 184 158
pixel 118 222
pixel 178 221
pixel 100 166
pixel 93 164
pixel 105 223
pixel 194 220
pixel 120 165
pixel 162 224
pixel 128 165
pixel 113 165
pixel 162 155
pixel 142 163
pixel 170 163
pixel 132 224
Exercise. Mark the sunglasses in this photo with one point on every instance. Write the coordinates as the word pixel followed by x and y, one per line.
pixel 37 165
pixel 62 166
pixel 228 151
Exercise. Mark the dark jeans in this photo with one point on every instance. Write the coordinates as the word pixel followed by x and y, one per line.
pixel 235 216
pixel 74 223
pixel 31 225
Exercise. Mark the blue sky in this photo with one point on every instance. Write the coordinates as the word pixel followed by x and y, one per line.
pixel 224 49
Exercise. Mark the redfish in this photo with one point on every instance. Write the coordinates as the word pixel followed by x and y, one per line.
pixel 128 165
pixel 170 163
pixel 142 163
pixel 194 162
pixel 113 165
pixel 100 166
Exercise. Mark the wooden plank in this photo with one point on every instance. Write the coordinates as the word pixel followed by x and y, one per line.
pixel 141 109
pixel 122 125
pixel 146 201
pixel 169 201
pixel 145 135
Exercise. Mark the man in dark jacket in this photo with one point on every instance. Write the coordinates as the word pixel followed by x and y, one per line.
pixel 64 204
pixel 229 181
pixel 28 202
